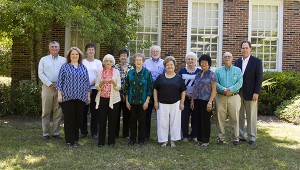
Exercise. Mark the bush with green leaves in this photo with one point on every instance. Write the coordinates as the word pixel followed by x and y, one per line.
pixel 289 110
pixel 22 100
pixel 286 86
pixel 5 59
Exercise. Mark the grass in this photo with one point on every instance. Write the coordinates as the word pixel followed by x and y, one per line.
pixel 278 147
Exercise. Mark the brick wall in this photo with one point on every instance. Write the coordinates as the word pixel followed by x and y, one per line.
pixel 235 25
pixel 174 30
pixel 291 36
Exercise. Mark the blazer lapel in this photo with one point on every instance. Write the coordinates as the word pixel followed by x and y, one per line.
pixel 249 63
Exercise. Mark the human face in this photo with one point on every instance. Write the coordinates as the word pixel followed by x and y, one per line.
pixel 204 65
pixel 190 61
pixel 246 50
pixel 155 53
pixel 90 52
pixel 138 62
pixel 74 56
pixel 108 63
pixel 123 58
pixel 227 60
pixel 54 49
pixel 170 67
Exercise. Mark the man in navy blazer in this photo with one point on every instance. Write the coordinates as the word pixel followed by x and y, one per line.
pixel 252 79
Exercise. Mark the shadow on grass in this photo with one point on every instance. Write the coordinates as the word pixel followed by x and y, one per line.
pixel 23 148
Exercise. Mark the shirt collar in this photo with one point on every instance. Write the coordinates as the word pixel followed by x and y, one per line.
pixel 247 59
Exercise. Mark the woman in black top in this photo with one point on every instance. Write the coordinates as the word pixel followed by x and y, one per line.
pixel 169 95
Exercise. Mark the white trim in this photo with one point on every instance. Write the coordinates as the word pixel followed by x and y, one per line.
pixel 280 36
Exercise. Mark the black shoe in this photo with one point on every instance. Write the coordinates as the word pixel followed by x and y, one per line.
pixel 130 143
pixel 69 146
pixel 46 137
pixel 251 142
pixel 142 144
pixel 56 137
pixel 242 140
pixel 100 146
pixel 220 142
pixel 82 136
pixel 76 144
pixel 236 143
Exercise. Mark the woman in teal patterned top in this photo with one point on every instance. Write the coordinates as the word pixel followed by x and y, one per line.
pixel 139 88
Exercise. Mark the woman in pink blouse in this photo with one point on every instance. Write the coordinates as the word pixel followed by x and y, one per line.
pixel 108 84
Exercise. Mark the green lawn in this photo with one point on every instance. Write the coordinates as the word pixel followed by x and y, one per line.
pixel 21 147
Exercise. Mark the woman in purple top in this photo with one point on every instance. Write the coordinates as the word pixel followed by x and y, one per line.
pixel 203 96
pixel 73 94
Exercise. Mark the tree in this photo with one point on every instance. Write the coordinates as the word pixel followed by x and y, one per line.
pixel 109 21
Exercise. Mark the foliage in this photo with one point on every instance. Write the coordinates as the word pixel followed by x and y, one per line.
pixel 289 110
pixel 285 86
pixel 5 59
pixel 22 100
pixel 22 147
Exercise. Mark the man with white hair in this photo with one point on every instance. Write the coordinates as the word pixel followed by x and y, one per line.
pixel 156 67
pixel 228 101
pixel 48 70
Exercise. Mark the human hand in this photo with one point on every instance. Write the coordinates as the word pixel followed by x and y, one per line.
pixel 156 105
pixel 192 105
pixel 53 86
pixel 128 105
pixel 59 98
pixel 209 107
pixel 181 106
pixel 145 106
pixel 255 97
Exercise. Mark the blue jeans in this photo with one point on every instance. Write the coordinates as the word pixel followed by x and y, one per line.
pixel 185 119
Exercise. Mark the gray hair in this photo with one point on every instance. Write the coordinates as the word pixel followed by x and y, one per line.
pixel 109 57
pixel 155 47
pixel 54 42
pixel 191 55
pixel 138 55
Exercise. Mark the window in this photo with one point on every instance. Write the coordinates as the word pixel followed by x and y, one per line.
pixel 204 29
pixel 78 41
pixel 149 30
pixel 265 33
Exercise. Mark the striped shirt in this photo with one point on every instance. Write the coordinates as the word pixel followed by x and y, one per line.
pixel 231 78
pixel 73 82
pixel 189 78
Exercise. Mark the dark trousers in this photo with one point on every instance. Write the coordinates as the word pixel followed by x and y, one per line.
pixel 94 116
pixel 106 114
pixel 148 120
pixel 137 115
pixel 126 119
pixel 185 120
pixel 72 110
pixel 203 120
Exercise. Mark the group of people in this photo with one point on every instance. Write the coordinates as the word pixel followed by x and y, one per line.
pixel 75 85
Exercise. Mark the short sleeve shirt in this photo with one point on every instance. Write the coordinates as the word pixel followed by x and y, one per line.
pixel 203 88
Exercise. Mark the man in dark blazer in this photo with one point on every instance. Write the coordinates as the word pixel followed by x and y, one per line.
pixel 252 79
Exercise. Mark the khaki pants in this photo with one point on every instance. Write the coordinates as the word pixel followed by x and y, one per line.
pixel 248 108
pixel 50 105
pixel 228 106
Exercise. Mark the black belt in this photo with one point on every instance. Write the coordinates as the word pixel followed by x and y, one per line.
pixel 233 94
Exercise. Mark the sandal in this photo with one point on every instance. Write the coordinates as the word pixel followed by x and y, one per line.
pixel 164 144
pixel 173 144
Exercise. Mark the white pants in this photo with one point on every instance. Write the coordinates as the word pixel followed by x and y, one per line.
pixel 168 115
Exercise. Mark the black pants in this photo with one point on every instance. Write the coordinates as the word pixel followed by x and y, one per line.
pixel 185 120
pixel 72 111
pixel 137 115
pixel 110 115
pixel 148 120
pixel 94 116
pixel 126 119
pixel 203 120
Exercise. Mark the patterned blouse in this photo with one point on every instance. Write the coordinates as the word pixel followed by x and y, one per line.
pixel 106 88
pixel 123 74
pixel 138 86
pixel 202 87
pixel 73 82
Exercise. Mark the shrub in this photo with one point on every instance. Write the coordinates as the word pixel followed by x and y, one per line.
pixel 289 110
pixel 5 59
pixel 286 86
pixel 22 100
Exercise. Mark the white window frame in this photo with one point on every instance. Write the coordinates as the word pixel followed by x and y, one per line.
pixel 159 26
pixel 278 3
pixel 220 28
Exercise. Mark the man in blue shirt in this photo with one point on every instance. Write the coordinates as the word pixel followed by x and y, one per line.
pixel 48 70
pixel 228 100
pixel 156 67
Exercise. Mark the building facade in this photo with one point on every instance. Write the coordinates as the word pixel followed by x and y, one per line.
pixel 204 27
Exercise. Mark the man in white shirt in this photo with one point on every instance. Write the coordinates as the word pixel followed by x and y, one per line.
pixel 48 70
